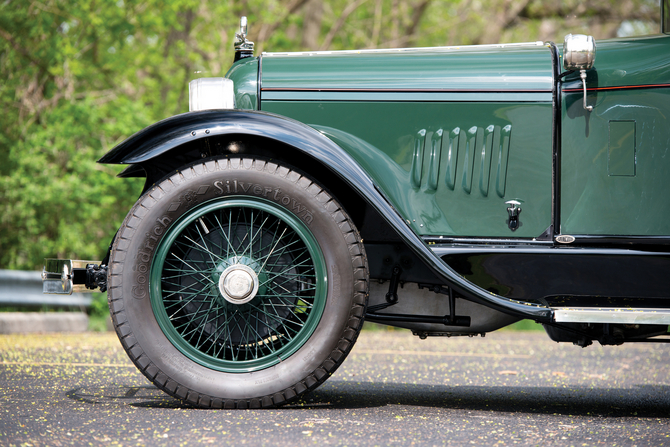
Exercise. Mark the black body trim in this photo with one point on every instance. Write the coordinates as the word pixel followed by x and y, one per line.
pixel 259 82
pixel 566 275
pixel 619 241
pixel 556 142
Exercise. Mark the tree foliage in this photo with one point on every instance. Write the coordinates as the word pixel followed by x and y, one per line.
pixel 79 76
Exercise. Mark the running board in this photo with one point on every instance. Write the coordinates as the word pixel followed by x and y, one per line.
pixel 613 315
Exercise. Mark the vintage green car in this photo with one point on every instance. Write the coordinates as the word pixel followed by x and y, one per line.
pixel 450 191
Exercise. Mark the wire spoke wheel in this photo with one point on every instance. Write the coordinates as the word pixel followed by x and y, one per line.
pixel 238 284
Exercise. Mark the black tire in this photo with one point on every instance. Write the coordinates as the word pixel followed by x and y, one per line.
pixel 296 293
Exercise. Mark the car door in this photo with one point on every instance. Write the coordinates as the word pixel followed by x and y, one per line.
pixel 615 160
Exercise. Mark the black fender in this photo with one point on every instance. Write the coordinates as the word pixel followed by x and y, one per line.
pixel 172 132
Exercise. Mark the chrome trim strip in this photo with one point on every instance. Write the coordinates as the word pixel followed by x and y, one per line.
pixel 449 240
pixel 403 90
pixel 618 315
pixel 581 240
pixel 501 247
pixel 407 50
pixel 319 95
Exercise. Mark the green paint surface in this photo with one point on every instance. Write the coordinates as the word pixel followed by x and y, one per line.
pixel 615 160
pixel 244 74
pixel 447 134
pixel 621 157
pixel 447 168
pixel 524 67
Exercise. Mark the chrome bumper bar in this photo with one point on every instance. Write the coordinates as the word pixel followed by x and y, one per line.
pixel 65 276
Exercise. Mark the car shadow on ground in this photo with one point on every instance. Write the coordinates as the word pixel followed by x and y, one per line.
pixel 651 401
pixel 638 401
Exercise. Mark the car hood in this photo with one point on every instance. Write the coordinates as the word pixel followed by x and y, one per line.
pixel 516 67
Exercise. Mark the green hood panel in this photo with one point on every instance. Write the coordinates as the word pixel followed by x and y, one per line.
pixel 492 68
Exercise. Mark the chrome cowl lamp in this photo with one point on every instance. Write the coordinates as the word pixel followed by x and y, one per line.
pixel 579 53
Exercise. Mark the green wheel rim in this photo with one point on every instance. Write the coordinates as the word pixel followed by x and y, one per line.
pixel 209 318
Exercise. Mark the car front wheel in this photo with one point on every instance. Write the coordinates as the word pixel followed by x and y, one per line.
pixel 237 283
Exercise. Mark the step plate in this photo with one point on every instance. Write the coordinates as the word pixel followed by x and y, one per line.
pixel 611 315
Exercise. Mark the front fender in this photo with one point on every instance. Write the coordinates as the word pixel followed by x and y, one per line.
pixel 172 132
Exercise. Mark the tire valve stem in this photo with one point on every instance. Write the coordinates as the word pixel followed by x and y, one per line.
pixel 204 227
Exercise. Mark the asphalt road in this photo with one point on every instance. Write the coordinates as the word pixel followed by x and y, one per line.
pixel 394 389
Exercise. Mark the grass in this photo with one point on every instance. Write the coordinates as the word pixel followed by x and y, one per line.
pixel 98 323
pixel 98 313
pixel 524 325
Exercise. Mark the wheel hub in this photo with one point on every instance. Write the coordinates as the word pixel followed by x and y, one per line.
pixel 238 284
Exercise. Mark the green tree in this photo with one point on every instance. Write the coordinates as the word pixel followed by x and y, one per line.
pixel 79 76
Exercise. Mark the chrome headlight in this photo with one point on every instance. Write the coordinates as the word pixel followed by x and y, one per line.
pixel 211 93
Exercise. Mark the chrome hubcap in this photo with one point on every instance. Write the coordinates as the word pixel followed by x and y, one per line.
pixel 238 284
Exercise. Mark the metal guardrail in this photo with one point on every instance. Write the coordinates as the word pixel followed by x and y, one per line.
pixel 24 288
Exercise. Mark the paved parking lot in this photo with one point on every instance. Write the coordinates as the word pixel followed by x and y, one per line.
pixel 508 388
